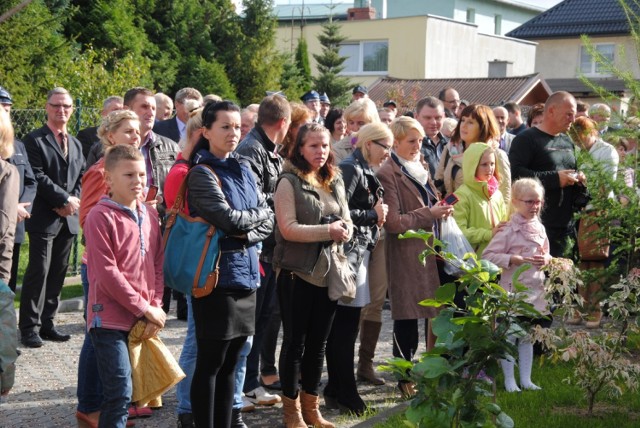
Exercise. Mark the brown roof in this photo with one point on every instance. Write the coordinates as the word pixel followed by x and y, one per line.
pixel 525 90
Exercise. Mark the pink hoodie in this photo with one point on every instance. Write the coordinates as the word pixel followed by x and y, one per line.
pixel 125 261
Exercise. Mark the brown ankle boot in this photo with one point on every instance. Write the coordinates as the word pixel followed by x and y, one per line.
pixel 369 333
pixel 311 411
pixel 292 416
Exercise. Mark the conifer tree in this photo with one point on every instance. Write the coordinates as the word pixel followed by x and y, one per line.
pixel 302 63
pixel 330 64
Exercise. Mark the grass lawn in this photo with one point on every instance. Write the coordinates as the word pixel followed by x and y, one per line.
pixel 68 291
pixel 558 404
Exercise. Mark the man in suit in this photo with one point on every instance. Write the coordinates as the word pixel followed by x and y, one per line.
pixel 58 164
pixel 176 127
pixel 28 188
pixel 89 136
pixel 502 117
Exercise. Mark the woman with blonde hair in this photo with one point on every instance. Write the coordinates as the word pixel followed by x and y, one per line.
pixel 368 213
pixel 358 114
pixel 9 191
pixel 300 115
pixel 477 125
pixel 413 204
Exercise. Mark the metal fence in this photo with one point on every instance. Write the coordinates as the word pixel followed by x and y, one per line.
pixel 27 120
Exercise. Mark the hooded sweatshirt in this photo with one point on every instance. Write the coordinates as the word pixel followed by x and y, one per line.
pixel 125 264
pixel 477 211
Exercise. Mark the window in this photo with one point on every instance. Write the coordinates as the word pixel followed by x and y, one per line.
pixel 365 57
pixel 497 25
pixel 589 66
pixel 471 16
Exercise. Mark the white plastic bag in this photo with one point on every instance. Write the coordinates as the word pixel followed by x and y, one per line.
pixel 456 244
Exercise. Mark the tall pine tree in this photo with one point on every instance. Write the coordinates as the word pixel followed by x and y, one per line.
pixel 302 62
pixel 330 64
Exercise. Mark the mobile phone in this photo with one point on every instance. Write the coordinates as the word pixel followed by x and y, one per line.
pixel 451 199
pixel 152 193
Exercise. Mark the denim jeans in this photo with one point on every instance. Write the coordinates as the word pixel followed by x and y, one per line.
pixel 89 389
pixel 187 363
pixel 264 309
pixel 241 371
pixel 114 368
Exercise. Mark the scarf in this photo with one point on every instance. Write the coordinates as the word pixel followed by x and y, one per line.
pixel 492 185
pixel 532 229
pixel 415 170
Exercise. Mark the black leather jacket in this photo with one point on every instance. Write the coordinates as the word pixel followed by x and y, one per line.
pixel 363 191
pixel 266 165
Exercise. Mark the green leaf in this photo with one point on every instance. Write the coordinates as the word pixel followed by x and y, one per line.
pixel 432 303
pixel 420 234
pixel 432 367
pixel 446 292
pixel 504 421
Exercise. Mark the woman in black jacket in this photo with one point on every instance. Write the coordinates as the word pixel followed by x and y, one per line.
pixel 368 213
pixel 226 317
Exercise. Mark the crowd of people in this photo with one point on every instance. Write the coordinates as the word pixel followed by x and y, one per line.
pixel 287 184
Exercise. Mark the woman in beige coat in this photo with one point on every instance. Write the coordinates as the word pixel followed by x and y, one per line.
pixel 413 204
pixel 9 190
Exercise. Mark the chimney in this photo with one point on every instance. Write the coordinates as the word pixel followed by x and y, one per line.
pixel 362 10
pixel 498 68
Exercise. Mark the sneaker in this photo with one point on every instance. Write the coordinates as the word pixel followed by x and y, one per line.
pixel 261 397
pixel 247 406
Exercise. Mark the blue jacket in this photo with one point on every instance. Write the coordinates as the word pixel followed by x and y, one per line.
pixel 238 209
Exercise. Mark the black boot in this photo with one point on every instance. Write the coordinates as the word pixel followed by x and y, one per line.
pixel 236 419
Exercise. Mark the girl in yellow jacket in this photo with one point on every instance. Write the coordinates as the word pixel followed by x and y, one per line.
pixel 480 211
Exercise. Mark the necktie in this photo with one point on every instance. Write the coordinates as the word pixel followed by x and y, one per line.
pixel 63 143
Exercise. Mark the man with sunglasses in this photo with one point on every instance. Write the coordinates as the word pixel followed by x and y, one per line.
pixel 58 164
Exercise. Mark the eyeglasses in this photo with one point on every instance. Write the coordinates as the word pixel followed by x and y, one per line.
pixel 531 203
pixel 386 148
pixel 64 106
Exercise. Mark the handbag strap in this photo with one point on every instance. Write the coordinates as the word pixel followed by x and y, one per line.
pixel 180 201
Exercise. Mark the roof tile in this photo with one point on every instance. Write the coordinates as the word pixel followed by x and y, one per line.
pixel 572 18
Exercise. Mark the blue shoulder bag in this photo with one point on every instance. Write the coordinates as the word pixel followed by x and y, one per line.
pixel 191 248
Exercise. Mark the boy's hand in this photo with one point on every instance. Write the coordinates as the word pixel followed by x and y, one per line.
pixel 156 316
pixel 150 330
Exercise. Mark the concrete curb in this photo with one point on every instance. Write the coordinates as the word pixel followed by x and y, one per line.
pixel 384 415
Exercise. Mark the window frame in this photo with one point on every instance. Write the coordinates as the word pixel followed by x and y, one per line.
pixel 361 46
pixel 593 72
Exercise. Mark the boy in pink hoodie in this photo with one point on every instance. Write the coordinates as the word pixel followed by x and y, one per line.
pixel 125 261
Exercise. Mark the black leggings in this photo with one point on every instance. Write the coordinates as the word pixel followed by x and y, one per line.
pixel 307 314
pixel 213 383
pixel 405 338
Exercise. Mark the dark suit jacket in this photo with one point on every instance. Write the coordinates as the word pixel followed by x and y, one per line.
pixel 87 137
pixel 28 184
pixel 168 128
pixel 57 177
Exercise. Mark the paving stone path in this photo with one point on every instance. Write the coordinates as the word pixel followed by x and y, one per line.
pixel 44 394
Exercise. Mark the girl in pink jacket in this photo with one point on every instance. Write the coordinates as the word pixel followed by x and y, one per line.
pixel 522 240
